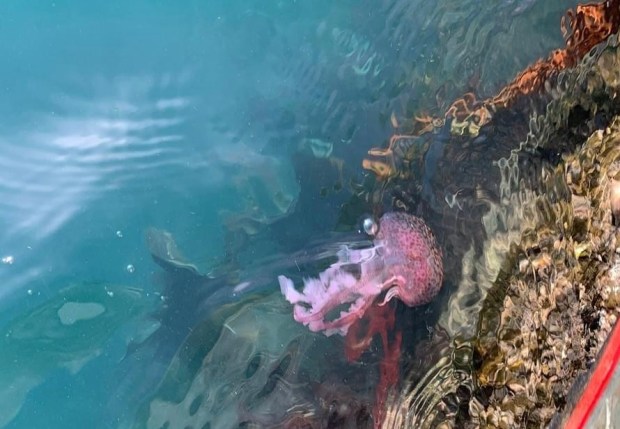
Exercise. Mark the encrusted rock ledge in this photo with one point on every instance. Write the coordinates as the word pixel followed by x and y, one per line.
pixel 558 295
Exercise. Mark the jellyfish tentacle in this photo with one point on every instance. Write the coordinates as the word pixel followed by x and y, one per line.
pixel 397 283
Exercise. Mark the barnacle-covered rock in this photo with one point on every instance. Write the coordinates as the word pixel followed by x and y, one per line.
pixel 559 301
pixel 533 253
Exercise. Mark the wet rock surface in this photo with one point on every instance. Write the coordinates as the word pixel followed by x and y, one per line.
pixel 558 298
pixel 527 214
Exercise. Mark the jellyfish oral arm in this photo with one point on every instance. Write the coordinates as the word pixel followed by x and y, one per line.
pixel 332 289
pixel 340 325
pixel 397 283
pixel 336 288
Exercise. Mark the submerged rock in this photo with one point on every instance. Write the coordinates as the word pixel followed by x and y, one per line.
pixel 557 303
pixel 256 369
pixel 528 221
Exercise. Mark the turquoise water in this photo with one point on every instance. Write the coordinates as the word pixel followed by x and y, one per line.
pixel 217 121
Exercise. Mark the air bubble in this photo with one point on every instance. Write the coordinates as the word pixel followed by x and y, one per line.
pixel 119 233
pixel 130 269
pixel 8 260
pixel 370 226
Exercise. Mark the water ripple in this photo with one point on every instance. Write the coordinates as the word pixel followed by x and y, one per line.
pixel 47 174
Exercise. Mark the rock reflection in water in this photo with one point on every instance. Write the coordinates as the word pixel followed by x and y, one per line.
pixel 262 371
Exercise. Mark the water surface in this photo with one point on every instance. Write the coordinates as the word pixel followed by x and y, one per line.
pixel 238 127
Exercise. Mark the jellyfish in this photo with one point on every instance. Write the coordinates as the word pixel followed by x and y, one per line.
pixel 404 262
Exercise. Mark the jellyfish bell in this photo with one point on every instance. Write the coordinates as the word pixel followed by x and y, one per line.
pixel 245 366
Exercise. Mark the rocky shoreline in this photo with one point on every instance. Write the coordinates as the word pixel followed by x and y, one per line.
pixel 534 295
pixel 560 299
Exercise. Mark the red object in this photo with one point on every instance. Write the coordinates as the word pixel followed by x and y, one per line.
pixel 598 382
pixel 379 320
